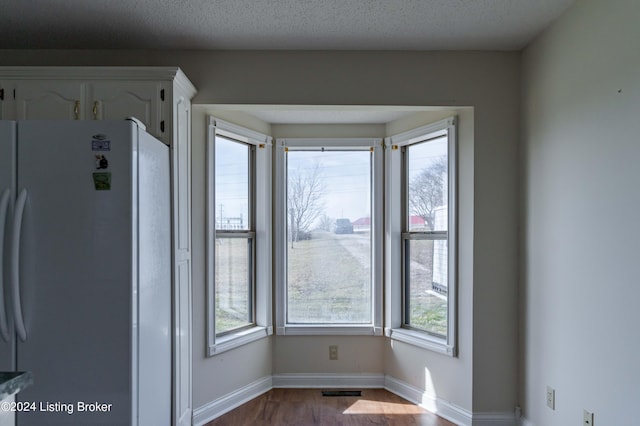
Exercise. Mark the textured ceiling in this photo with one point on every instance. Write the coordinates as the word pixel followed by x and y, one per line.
pixel 275 24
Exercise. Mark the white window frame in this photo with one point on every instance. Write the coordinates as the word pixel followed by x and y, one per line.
pixel 262 296
pixel 375 327
pixel 394 211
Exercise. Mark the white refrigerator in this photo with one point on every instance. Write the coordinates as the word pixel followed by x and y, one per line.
pixel 86 272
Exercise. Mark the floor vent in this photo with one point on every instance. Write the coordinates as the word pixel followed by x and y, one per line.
pixel 342 393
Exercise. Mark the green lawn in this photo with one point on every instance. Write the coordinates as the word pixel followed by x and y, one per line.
pixel 327 283
pixel 426 310
pixel 232 284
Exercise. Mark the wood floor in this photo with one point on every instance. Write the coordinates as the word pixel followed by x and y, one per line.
pixel 301 407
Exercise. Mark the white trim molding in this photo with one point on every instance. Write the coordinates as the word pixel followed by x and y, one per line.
pixel 99 73
pixel 446 409
pixel 428 401
pixel 494 419
pixel 238 339
pixel 396 213
pixel 220 406
pixel 282 146
pixel 334 330
pixel 260 193
pixel 421 340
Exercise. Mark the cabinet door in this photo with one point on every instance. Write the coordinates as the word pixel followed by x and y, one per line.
pixel 48 100
pixel 115 100
pixel 7 106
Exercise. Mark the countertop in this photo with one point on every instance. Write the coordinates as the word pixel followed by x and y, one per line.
pixel 14 382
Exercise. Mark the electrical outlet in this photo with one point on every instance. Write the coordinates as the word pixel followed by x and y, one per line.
pixel 587 418
pixel 551 397
pixel 333 352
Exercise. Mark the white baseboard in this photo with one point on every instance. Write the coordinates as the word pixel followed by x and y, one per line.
pixel 418 396
pixel 446 409
pixel 222 405
pixel 442 408
pixel 494 419
pixel 328 381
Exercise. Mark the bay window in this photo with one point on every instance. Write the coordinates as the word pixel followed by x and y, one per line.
pixel 328 236
pixel 421 236
pixel 238 235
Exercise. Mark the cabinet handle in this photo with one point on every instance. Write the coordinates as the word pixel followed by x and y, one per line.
pixel 76 109
pixel 15 265
pixel 95 110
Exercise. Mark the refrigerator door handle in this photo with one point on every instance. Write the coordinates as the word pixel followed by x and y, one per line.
pixel 15 265
pixel 4 208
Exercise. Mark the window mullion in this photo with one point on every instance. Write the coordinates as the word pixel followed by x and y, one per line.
pixel 223 233
pixel 428 235
pixel 238 163
pixel 423 223
pixel 330 310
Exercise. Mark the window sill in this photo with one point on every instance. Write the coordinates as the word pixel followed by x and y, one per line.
pixel 232 341
pixel 421 340
pixel 326 330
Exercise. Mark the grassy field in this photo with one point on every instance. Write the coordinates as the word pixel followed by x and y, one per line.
pixel 427 310
pixel 328 282
pixel 232 284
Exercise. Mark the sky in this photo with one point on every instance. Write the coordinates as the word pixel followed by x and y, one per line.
pixel 232 180
pixel 346 176
pixel 423 154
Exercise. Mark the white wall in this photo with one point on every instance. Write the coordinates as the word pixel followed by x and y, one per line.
pixel 436 374
pixel 485 373
pixel 215 377
pixel 310 355
pixel 581 127
pixel 483 378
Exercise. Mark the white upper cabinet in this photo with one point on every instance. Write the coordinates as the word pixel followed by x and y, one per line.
pixel 95 93
pixel 143 100
pixel 48 100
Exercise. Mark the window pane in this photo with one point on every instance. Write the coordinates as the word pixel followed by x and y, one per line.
pixel 232 184
pixel 233 283
pixel 427 176
pixel 426 287
pixel 329 237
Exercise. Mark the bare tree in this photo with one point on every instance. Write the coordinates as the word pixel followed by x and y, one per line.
pixel 304 194
pixel 427 191
pixel 326 223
